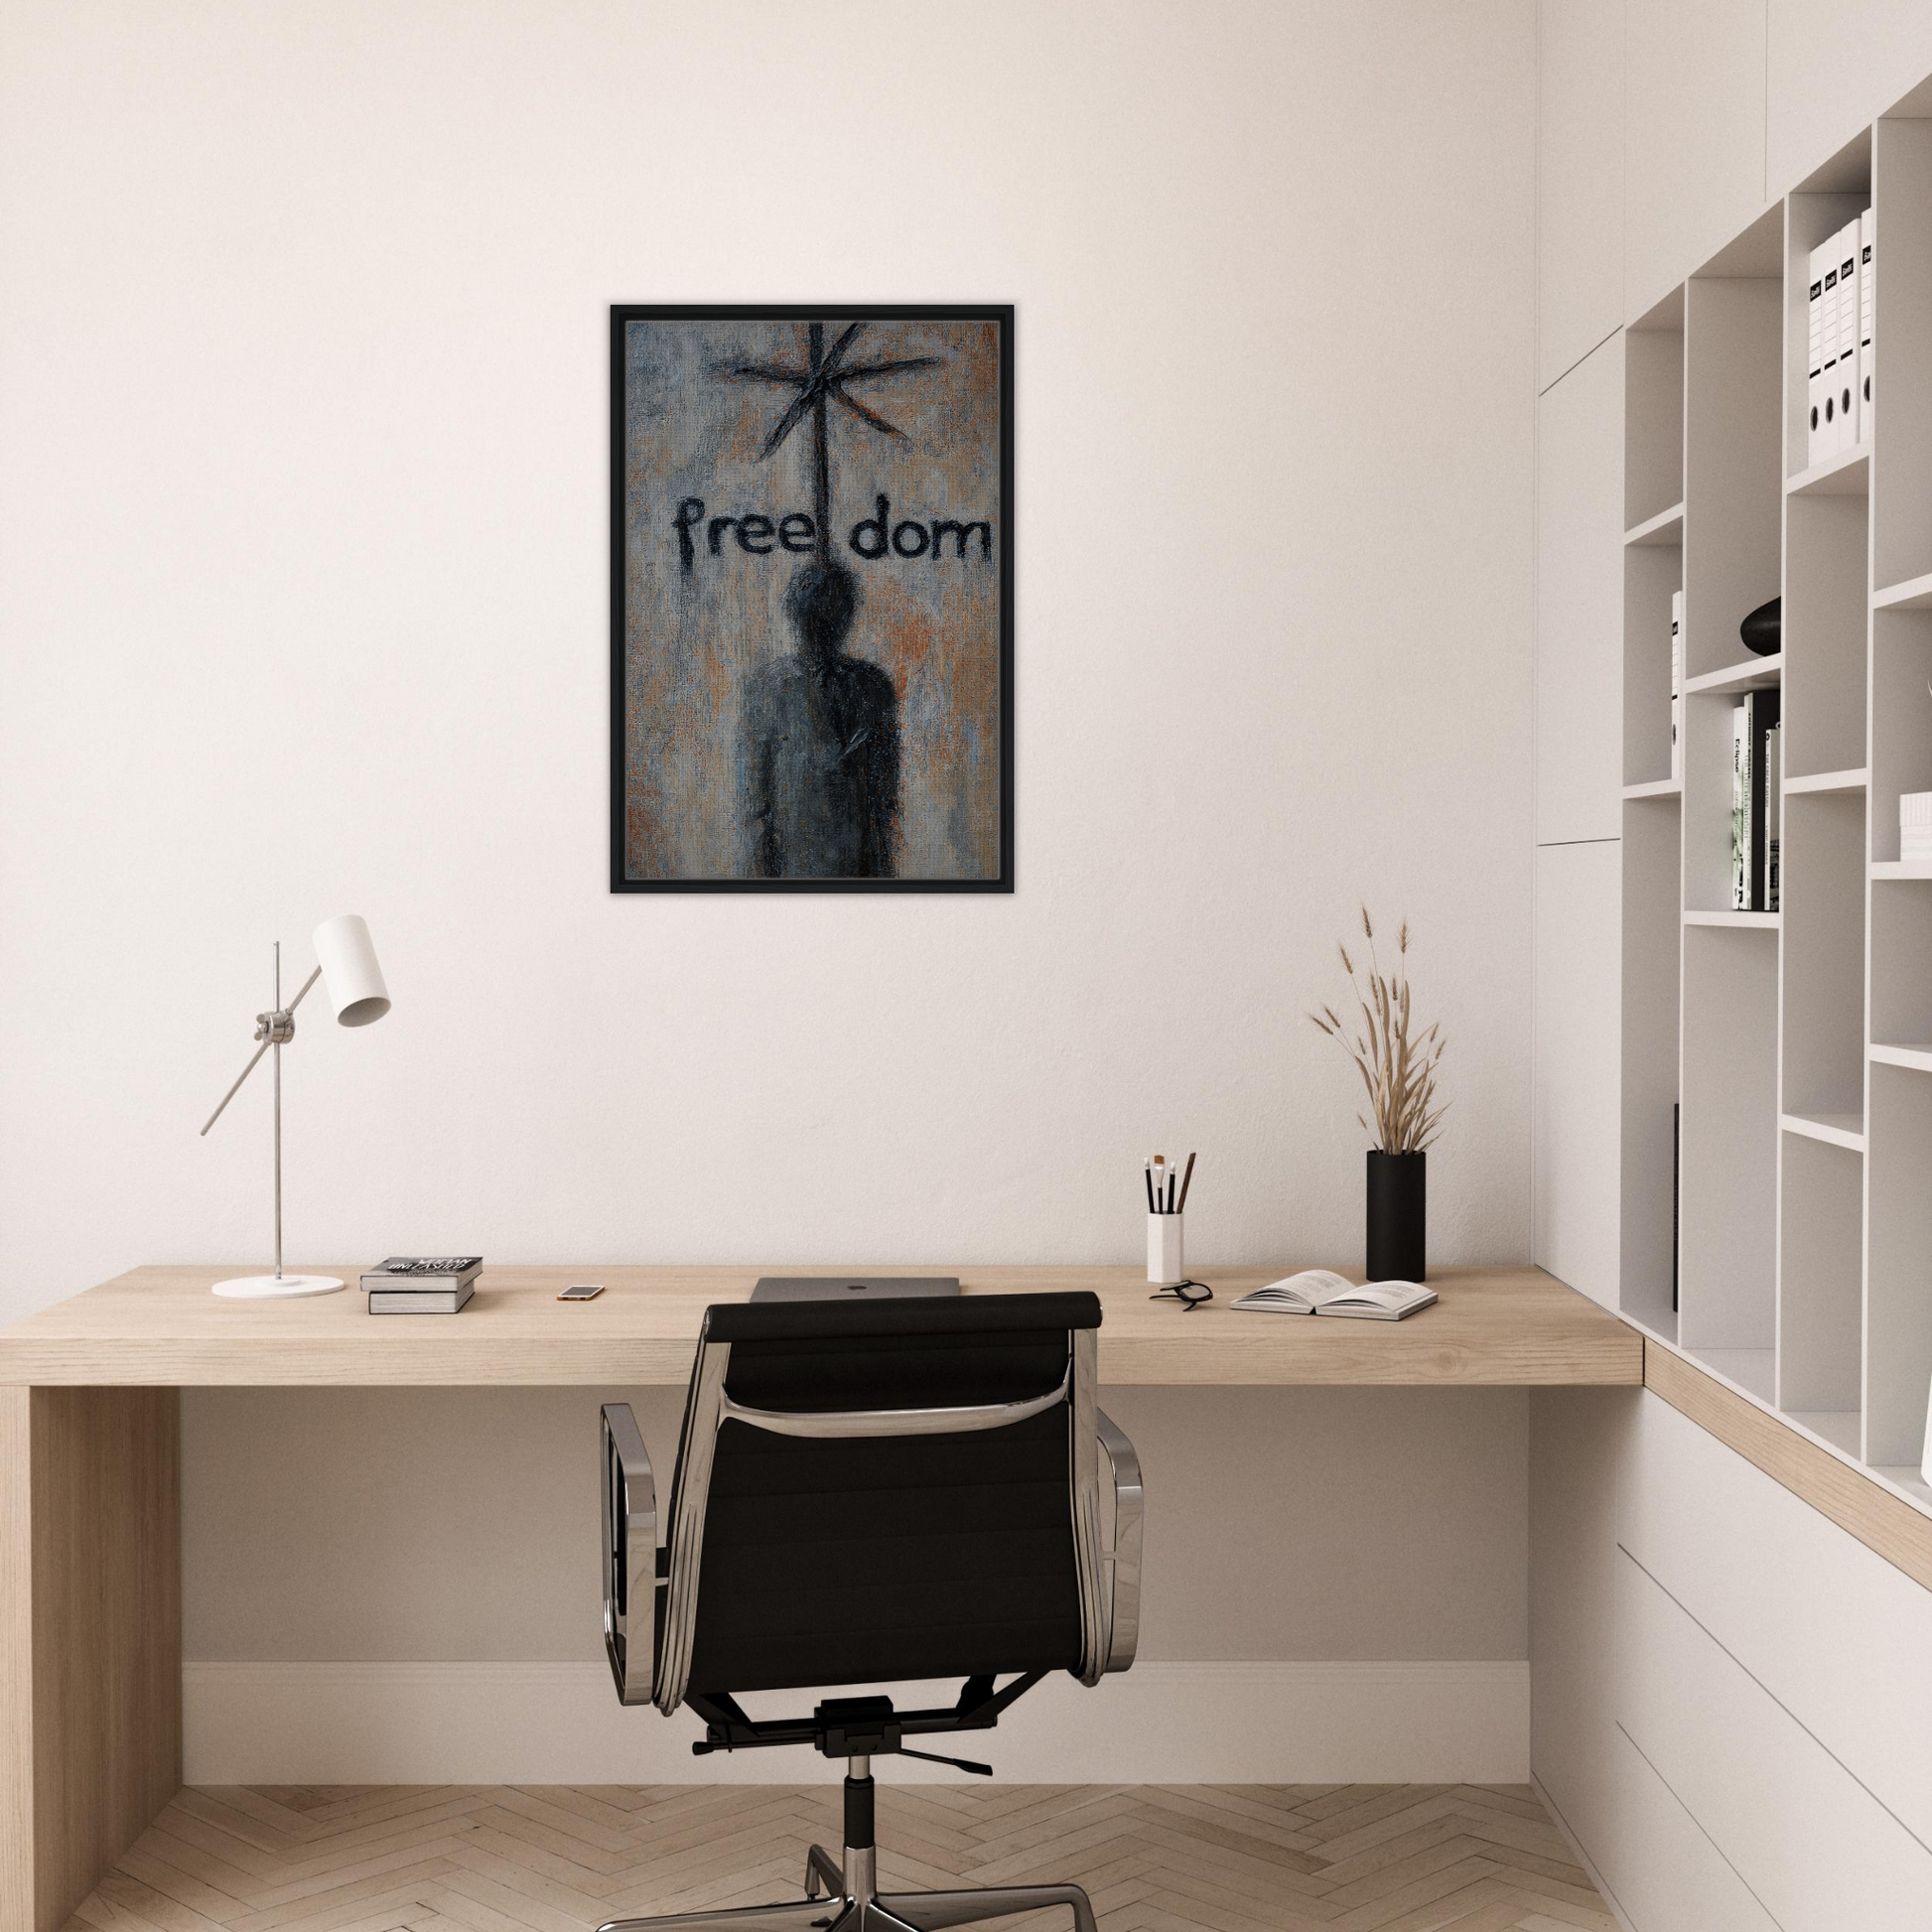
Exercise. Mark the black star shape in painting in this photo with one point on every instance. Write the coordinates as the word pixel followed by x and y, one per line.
pixel 826 375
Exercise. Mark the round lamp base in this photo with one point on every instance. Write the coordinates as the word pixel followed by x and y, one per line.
pixel 276 1288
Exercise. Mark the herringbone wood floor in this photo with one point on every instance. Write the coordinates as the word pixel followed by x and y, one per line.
pixel 561 1858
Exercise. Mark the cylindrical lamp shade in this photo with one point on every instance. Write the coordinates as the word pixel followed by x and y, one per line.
pixel 349 975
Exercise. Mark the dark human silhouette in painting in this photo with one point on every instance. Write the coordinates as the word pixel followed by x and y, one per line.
pixel 821 745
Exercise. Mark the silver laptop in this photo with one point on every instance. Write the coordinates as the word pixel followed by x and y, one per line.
pixel 847 1287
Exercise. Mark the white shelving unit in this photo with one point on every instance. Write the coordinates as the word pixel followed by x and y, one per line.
pixel 1797 1043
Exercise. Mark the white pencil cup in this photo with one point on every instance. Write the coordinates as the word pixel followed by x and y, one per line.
pixel 1164 1262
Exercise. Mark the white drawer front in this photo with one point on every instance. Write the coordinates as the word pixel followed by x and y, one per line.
pixel 1664 1871
pixel 1808 1839
pixel 1837 1635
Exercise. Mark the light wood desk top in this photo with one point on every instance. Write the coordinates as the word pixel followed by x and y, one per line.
pixel 160 1326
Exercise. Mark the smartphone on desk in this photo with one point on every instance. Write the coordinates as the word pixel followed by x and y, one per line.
pixel 581 1292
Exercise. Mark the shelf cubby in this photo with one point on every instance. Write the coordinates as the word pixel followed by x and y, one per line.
pixel 1901 963
pixel 1820 1257
pixel 1733 481
pixel 1652 573
pixel 1730 1083
pixel 1707 804
pixel 1898 1307
pixel 1902 400
pixel 1652 951
pixel 1653 433
pixel 1823 921
pixel 1901 718
pixel 1826 611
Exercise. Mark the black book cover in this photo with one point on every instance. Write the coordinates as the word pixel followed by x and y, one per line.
pixel 1761 714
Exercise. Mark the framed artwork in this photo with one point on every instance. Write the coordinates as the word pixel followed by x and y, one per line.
pixel 811 599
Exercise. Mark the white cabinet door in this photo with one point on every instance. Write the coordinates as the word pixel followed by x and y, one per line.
pixel 1580 601
pixel 1833 65
pixel 1575 1113
pixel 1578 179
pixel 1692 137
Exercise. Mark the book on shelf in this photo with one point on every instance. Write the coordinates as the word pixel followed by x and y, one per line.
pixel 1867 235
pixel 1741 810
pixel 1677 687
pixel 423 1274
pixel 1321 1291
pixel 1752 819
pixel 420 1301
pixel 1774 813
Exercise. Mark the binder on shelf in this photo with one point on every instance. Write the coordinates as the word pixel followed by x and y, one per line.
pixel 1815 359
pixel 1847 336
pixel 1867 301
pixel 1676 686
pixel 1828 428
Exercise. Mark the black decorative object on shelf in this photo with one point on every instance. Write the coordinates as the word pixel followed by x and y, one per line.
pixel 1398 1216
pixel 1763 630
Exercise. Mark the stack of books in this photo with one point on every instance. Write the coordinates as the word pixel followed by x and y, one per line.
pixel 422 1284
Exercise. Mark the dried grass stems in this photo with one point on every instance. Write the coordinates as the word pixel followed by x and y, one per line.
pixel 1399 1071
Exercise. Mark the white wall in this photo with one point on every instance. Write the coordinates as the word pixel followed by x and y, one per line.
pixel 303 440
pixel 301 479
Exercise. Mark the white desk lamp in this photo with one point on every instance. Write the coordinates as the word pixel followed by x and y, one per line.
pixel 346 965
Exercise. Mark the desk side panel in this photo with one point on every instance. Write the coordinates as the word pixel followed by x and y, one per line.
pixel 16 1665
pixel 103 1540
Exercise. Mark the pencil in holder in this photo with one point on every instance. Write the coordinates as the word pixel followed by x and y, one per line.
pixel 1164 1265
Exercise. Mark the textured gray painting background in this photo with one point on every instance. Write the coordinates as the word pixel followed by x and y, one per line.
pixel 931 622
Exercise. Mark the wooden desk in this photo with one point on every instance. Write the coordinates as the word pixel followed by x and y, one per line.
pixel 89 1461
pixel 161 1327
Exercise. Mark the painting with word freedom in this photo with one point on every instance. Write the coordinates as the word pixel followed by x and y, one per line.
pixel 811 599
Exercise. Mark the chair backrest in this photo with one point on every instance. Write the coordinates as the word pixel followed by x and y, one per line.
pixel 884 1491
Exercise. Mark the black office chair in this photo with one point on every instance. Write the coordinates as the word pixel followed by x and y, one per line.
pixel 865 1494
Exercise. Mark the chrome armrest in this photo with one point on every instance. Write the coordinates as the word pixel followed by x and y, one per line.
pixel 630 1555
pixel 1124 1558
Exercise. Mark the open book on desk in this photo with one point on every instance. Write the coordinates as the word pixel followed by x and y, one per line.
pixel 1321 1291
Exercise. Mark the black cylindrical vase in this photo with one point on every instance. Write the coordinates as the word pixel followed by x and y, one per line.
pixel 1398 1216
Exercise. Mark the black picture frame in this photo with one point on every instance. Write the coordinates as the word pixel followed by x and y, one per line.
pixel 623 314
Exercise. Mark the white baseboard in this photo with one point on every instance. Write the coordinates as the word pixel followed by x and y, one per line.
pixel 561 1723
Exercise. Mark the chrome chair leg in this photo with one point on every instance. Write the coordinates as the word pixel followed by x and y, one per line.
pixel 794 1917
pixel 933 1912
pixel 821 1867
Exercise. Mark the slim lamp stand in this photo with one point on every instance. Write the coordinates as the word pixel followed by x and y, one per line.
pixel 359 996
